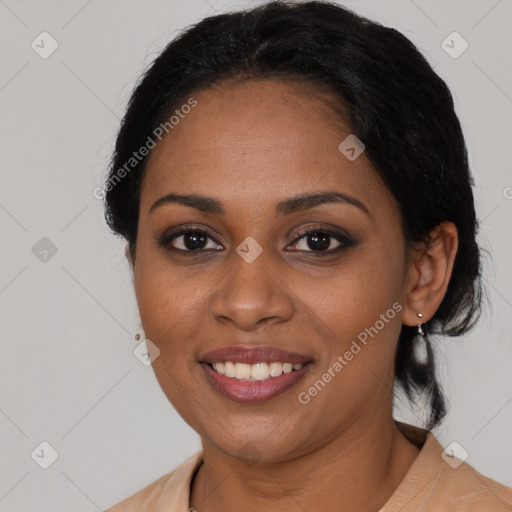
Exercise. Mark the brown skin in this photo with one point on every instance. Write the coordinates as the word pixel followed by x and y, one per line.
pixel 251 145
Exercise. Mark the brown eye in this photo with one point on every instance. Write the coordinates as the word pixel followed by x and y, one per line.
pixel 322 241
pixel 188 241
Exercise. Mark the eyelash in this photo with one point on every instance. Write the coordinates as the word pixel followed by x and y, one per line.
pixel 345 241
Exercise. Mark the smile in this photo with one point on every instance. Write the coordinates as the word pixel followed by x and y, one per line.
pixel 250 389
pixel 254 372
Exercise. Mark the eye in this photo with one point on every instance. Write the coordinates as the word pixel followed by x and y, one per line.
pixel 192 241
pixel 188 240
pixel 320 240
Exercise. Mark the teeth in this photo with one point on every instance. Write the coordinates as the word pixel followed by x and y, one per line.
pixel 258 371
pixel 275 369
pixel 219 367
pixel 229 369
pixel 242 371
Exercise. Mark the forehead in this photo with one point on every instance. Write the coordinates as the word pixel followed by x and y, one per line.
pixel 258 141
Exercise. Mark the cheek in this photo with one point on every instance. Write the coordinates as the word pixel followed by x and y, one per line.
pixel 162 299
pixel 167 308
pixel 357 291
pixel 359 307
pixel 169 314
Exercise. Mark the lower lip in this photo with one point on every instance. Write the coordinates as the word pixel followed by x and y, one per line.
pixel 253 391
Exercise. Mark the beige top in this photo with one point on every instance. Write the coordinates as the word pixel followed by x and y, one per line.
pixel 430 485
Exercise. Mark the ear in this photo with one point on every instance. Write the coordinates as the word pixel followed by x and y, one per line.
pixel 130 255
pixel 430 270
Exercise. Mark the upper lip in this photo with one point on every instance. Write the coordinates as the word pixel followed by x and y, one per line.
pixel 252 355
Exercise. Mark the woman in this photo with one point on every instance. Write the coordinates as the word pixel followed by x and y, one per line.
pixel 293 185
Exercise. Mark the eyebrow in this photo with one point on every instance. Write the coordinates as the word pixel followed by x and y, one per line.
pixel 285 207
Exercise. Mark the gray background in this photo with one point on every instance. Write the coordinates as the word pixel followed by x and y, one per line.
pixel 67 372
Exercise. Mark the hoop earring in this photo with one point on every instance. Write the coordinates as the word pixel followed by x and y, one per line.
pixel 419 347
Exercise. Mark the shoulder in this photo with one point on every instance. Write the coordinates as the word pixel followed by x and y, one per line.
pixel 439 481
pixel 171 490
pixel 145 498
pixel 465 488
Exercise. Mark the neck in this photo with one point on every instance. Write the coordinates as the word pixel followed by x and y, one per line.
pixel 357 471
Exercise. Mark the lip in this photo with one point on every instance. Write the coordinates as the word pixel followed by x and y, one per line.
pixel 254 391
pixel 253 355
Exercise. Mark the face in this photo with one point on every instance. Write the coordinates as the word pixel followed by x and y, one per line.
pixel 311 278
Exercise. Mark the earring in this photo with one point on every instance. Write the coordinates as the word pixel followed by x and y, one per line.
pixel 420 330
pixel 420 344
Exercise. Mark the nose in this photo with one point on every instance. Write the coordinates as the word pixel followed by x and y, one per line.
pixel 252 295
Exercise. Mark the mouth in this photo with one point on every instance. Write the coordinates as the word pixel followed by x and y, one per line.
pixel 254 374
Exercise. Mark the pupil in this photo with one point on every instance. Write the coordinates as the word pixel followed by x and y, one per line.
pixel 191 240
pixel 319 241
